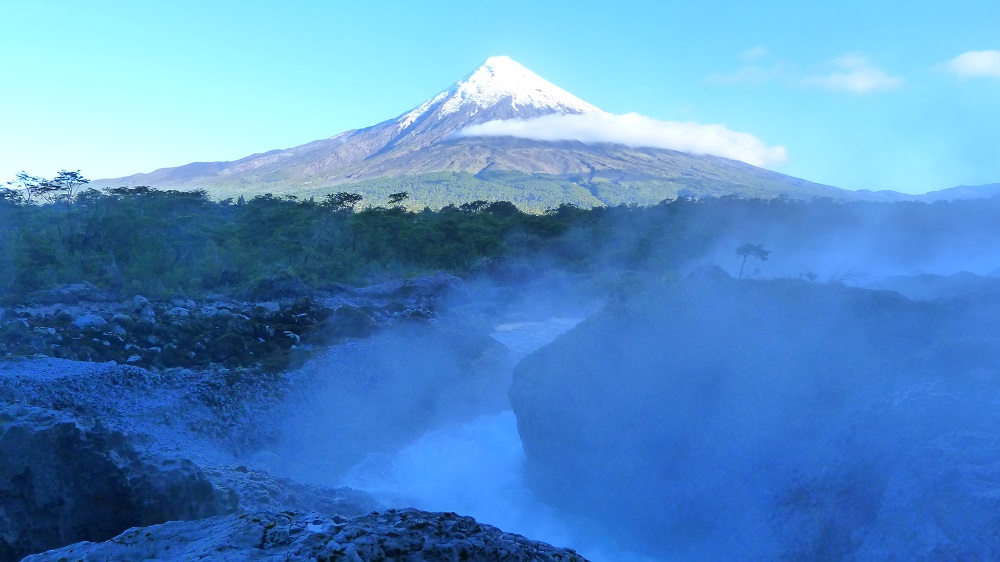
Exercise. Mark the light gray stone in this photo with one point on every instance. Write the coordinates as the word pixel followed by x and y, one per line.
pixel 403 535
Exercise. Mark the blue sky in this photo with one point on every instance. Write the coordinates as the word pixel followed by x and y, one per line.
pixel 861 94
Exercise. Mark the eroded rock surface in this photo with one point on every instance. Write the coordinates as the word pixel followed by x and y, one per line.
pixel 64 479
pixel 403 535
pixel 274 327
pixel 153 427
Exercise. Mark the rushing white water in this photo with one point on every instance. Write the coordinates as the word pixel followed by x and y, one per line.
pixel 474 469
pixel 477 468
pixel 525 337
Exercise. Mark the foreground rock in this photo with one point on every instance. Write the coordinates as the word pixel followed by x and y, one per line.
pixel 721 419
pixel 64 480
pixel 167 446
pixel 404 535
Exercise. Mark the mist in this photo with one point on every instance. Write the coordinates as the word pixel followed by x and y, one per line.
pixel 637 402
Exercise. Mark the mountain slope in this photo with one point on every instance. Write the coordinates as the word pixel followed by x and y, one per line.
pixel 425 141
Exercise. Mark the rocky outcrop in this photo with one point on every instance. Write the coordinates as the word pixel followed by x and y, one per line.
pixel 180 443
pixel 64 479
pixel 722 419
pixel 258 490
pixel 404 535
pixel 913 476
pixel 275 328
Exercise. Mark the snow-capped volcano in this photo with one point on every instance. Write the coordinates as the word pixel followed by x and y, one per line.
pixel 429 139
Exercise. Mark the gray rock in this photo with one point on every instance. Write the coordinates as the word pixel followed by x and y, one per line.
pixel 65 479
pixel 268 307
pixel 146 315
pixel 178 312
pixel 404 535
pixel 89 321
pixel 136 303
pixel 259 490
pixel 918 519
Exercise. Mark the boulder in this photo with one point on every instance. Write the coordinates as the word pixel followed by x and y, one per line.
pixel 267 307
pixel 89 321
pixel 65 479
pixel 136 303
pixel 404 535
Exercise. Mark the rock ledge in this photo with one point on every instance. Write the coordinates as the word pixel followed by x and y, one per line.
pixel 404 535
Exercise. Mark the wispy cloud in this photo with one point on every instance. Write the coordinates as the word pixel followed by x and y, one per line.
pixel 852 73
pixel 633 129
pixel 974 64
pixel 856 75
pixel 754 53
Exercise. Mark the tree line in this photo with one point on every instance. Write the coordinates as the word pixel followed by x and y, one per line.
pixel 143 240
pixel 140 240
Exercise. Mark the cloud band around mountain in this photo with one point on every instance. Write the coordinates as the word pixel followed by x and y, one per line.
pixel 632 129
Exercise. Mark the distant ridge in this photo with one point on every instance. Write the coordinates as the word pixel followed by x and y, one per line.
pixel 962 192
pixel 950 194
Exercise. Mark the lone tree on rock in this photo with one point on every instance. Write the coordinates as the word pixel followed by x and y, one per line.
pixel 747 250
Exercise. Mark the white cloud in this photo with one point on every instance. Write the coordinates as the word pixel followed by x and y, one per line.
pixel 755 53
pixel 975 63
pixel 849 73
pixel 633 129
pixel 857 76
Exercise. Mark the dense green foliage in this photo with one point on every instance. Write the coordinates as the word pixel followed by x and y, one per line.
pixel 140 240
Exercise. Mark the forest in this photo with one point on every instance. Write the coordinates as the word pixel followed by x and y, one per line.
pixel 139 240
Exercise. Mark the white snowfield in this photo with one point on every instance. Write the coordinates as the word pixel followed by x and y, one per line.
pixel 497 80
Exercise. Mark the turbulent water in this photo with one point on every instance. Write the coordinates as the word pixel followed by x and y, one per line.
pixel 473 468
pixel 477 468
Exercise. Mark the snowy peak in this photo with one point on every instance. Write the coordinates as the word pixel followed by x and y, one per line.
pixel 500 83
pixel 502 77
